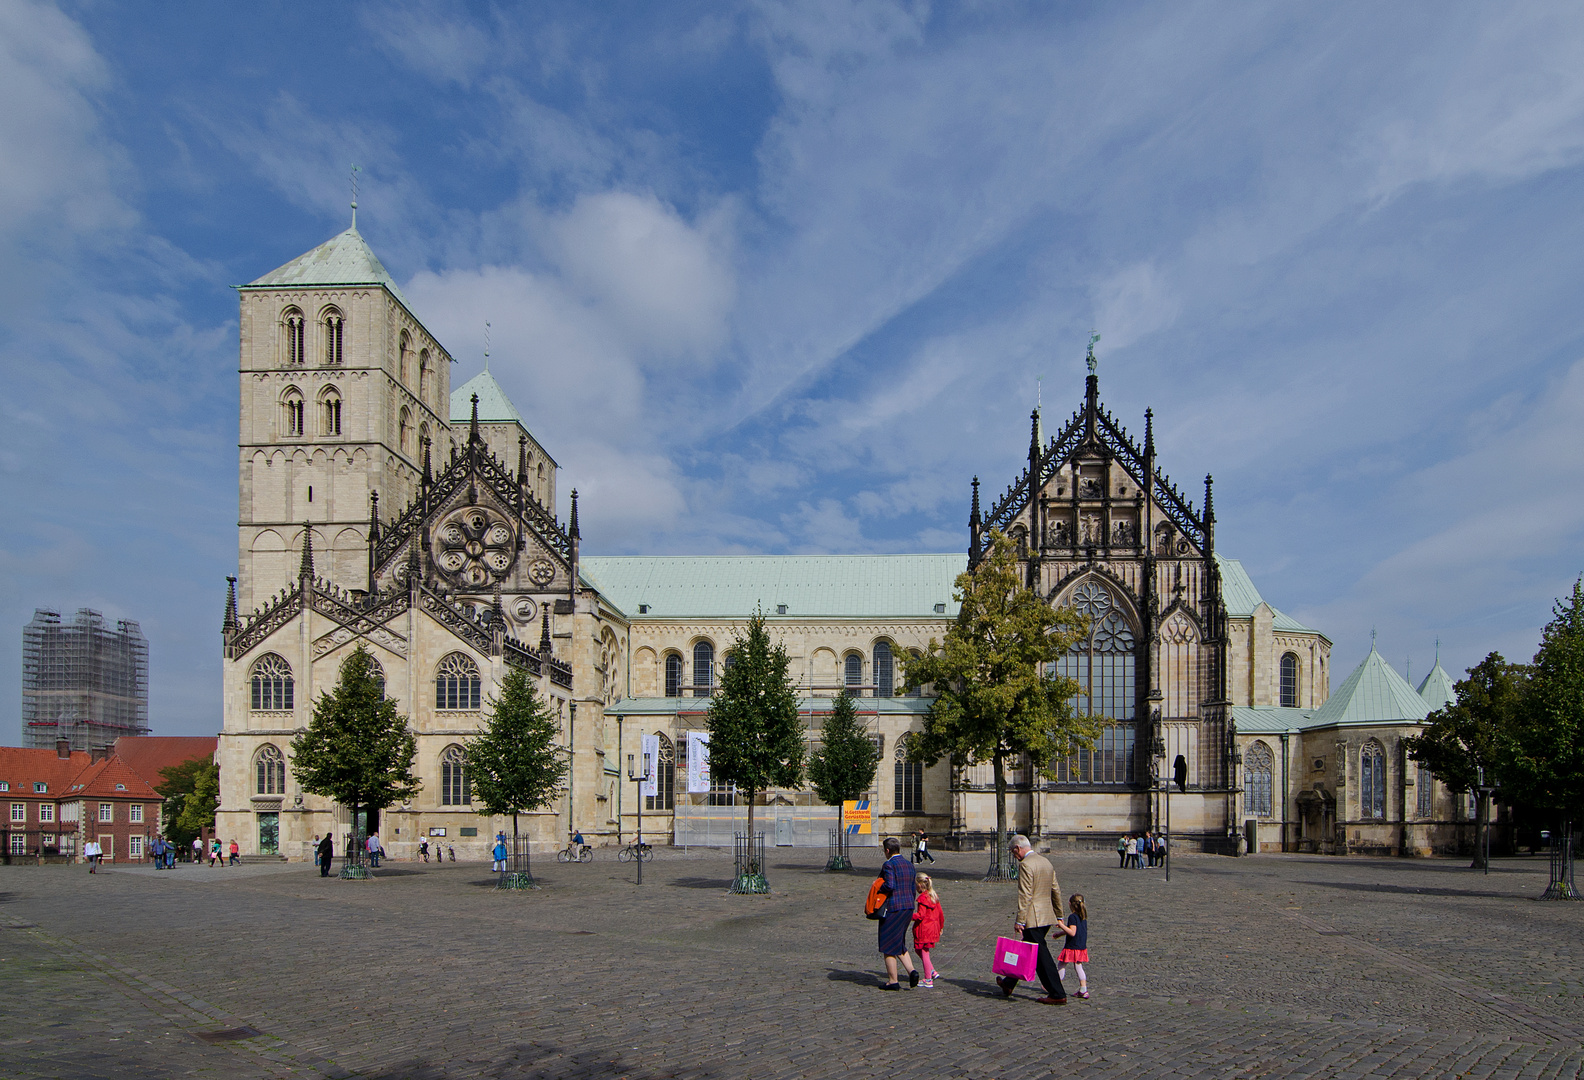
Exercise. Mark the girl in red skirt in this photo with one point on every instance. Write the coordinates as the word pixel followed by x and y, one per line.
pixel 928 920
pixel 1076 950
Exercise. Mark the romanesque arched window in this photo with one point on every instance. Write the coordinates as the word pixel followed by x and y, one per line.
pixel 269 771
pixel 1289 680
pixel 852 673
pixel 272 684
pixel 1372 780
pixel 909 777
pixel 664 797
pixel 457 683
pixel 332 323
pixel 423 374
pixel 1257 779
pixel 294 413
pixel 454 787
pixel 1103 666
pixel 403 347
pixel 403 429
pixel 883 669
pixel 330 411
pixel 673 675
pixel 294 325
pixel 703 669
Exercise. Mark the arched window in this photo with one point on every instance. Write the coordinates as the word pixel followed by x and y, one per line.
pixel 909 781
pixel 703 669
pixel 332 323
pixel 883 682
pixel 457 684
pixel 403 347
pixel 673 675
pixel 269 771
pixel 330 409
pixel 272 684
pixel 1425 786
pixel 853 675
pixel 1289 680
pixel 377 673
pixel 1257 773
pixel 295 325
pixel 454 787
pixel 1372 780
pixel 292 403
pixel 1102 665
pixel 403 429
pixel 423 374
pixel 664 797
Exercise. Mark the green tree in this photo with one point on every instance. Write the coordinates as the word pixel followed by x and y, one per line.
pixel 188 790
pixel 997 696
pixel 1545 760
pixel 358 750
pixel 843 767
pixel 1468 737
pixel 515 766
pixel 756 734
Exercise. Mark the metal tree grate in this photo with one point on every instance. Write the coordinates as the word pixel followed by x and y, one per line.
pixel 517 874
pixel 748 875
pixel 838 859
pixel 1562 885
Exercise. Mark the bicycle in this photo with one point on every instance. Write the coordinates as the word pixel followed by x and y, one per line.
pixel 644 852
pixel 583 854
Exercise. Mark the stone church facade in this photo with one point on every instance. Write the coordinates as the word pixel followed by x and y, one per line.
pixel 378 506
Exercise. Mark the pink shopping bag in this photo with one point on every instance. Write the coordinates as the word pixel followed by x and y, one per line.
pixel 1015 958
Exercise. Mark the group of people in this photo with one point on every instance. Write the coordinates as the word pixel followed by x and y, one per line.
pixel 913 902
pixel 921 849
pixel 1134 850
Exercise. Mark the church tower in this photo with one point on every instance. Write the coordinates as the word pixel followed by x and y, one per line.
pixel 342 388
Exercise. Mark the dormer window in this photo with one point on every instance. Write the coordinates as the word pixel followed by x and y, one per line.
pixel 332 337
pixel 39 787
pixel 120 787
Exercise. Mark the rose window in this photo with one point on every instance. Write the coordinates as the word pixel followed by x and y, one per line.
pixel 475 546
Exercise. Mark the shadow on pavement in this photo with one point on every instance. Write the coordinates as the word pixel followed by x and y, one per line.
pixel 858 978
pixel 1413 890
pixel 702 883
pixel 976 987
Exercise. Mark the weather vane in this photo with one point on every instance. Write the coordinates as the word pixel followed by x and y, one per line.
pixel 355 171
pixel 1090 359
pixel 486 344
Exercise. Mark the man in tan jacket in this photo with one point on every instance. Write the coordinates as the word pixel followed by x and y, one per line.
pixel 1039 905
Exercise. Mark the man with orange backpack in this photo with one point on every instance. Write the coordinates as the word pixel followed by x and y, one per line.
pixel 897 884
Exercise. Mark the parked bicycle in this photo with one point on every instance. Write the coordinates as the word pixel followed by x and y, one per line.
pixel 643 851
pixel 575 853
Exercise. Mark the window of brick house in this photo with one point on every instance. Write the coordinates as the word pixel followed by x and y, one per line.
pixel 106 811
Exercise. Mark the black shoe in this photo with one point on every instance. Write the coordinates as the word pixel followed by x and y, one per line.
pixel 891 986
pixel 913 978
pixel 1006 985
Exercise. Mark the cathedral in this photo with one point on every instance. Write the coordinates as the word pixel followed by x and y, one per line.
pixel 380 506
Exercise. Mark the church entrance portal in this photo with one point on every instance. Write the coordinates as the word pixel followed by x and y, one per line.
pixel 269 834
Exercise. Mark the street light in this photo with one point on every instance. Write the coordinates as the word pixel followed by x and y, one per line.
pixel 1166 832
pixel 1485 794
pixel 642 778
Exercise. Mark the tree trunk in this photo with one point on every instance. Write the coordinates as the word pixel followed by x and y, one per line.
pixel 841 829
pixel 354 856
pixel 1001 854
pixel 751 795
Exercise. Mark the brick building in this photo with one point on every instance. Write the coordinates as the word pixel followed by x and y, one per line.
pixel 55 800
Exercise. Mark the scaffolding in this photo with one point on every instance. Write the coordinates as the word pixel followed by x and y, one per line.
pixel 82 681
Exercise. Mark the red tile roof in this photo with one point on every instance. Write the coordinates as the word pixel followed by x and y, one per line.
pixel 111 777
pixel 22 767
pixel 148 754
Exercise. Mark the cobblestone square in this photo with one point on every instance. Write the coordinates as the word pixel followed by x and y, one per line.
pixel 1276 966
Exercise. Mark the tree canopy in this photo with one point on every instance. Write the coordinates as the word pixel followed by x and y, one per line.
pixel 189 790
pixel 515 765
pixel 997 693
pixel 844 766
pixel 1545 765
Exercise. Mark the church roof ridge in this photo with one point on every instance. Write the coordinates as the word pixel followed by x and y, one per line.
pixel 344 259
pixel 1373 693
pixel 1438 688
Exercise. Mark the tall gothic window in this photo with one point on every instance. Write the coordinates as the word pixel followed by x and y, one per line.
pixel 673 675
pixel 882 669
pixel 423 374
pixel 1289 680
pixel 331 403
pixel 664 797
pixel 403 428
pixel 1257 775
pixel 703 669
pixel 1103 666
pixel 909 776
pixel 1426 789
pixel 295 325
pixel 402 349
pixel 457 684
pixel 332 336
pixel 454 787
pixel 272 684
pixel 377 673
pixel 1372 780
pixel 269 771
pixel 293 403
pixel 852 676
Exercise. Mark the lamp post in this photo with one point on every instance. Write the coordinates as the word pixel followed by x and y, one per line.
pixel 1166 832
pixel 1485 794
pixel 642 778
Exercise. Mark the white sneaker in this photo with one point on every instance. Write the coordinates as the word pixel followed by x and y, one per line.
pixel 928 983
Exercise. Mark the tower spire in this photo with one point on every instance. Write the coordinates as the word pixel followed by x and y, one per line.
pixel 1149 431
pixel 230 623
pixel 974 525
pixel 306 570
pixel 544 631
pixel 355 170
pixel 572 529
pixel 473 435
pixel 427 476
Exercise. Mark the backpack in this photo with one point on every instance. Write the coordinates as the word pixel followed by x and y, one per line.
pixel 875 903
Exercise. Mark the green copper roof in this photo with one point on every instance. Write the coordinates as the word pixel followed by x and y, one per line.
pixel 1438 689
pixel 1241 597
pixel 811 586
pixel 341 260
pixel 1373 694
pixel 494 405
pixel 663 706
pixel 1269 720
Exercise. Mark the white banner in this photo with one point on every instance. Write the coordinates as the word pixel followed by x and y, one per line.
pixel 698 770
pixel 649 764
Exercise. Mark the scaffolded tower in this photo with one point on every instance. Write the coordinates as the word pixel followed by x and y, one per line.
pixel 82 681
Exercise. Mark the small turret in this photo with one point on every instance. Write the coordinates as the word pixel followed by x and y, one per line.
pixel 1209 517
pixel 575 536
pixel 230 624
pixel 428 476
pixel 975 550
pixel 522 463
pixel 473 434
pixel 306 570
pixel 545 648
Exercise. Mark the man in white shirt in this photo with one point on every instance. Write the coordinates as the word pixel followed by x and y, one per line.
pixel 91 853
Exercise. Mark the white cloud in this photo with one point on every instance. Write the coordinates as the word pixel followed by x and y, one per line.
pixel 1132 304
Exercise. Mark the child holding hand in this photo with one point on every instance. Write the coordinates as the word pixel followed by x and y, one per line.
pixel 928 919
pixel 1076 949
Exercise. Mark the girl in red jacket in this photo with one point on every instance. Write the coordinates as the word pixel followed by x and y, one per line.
pixel 928 919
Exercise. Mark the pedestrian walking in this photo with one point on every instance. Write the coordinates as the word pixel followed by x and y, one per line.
pixel 324 854
pixel 91 853
pixel 235 851
pixel 214 850
pixel 921 849
pixel 1122 842
pixel 1039 901
pixel 374 849
pixel 198 850
pixel 900 888
pixel 1076 950
pixel 423 848
pixel 928 921
pixel 453 853
pixel 499 865
pixel 1133 853
pixel 157 852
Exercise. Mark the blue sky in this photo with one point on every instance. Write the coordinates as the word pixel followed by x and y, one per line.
pixel 783 277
